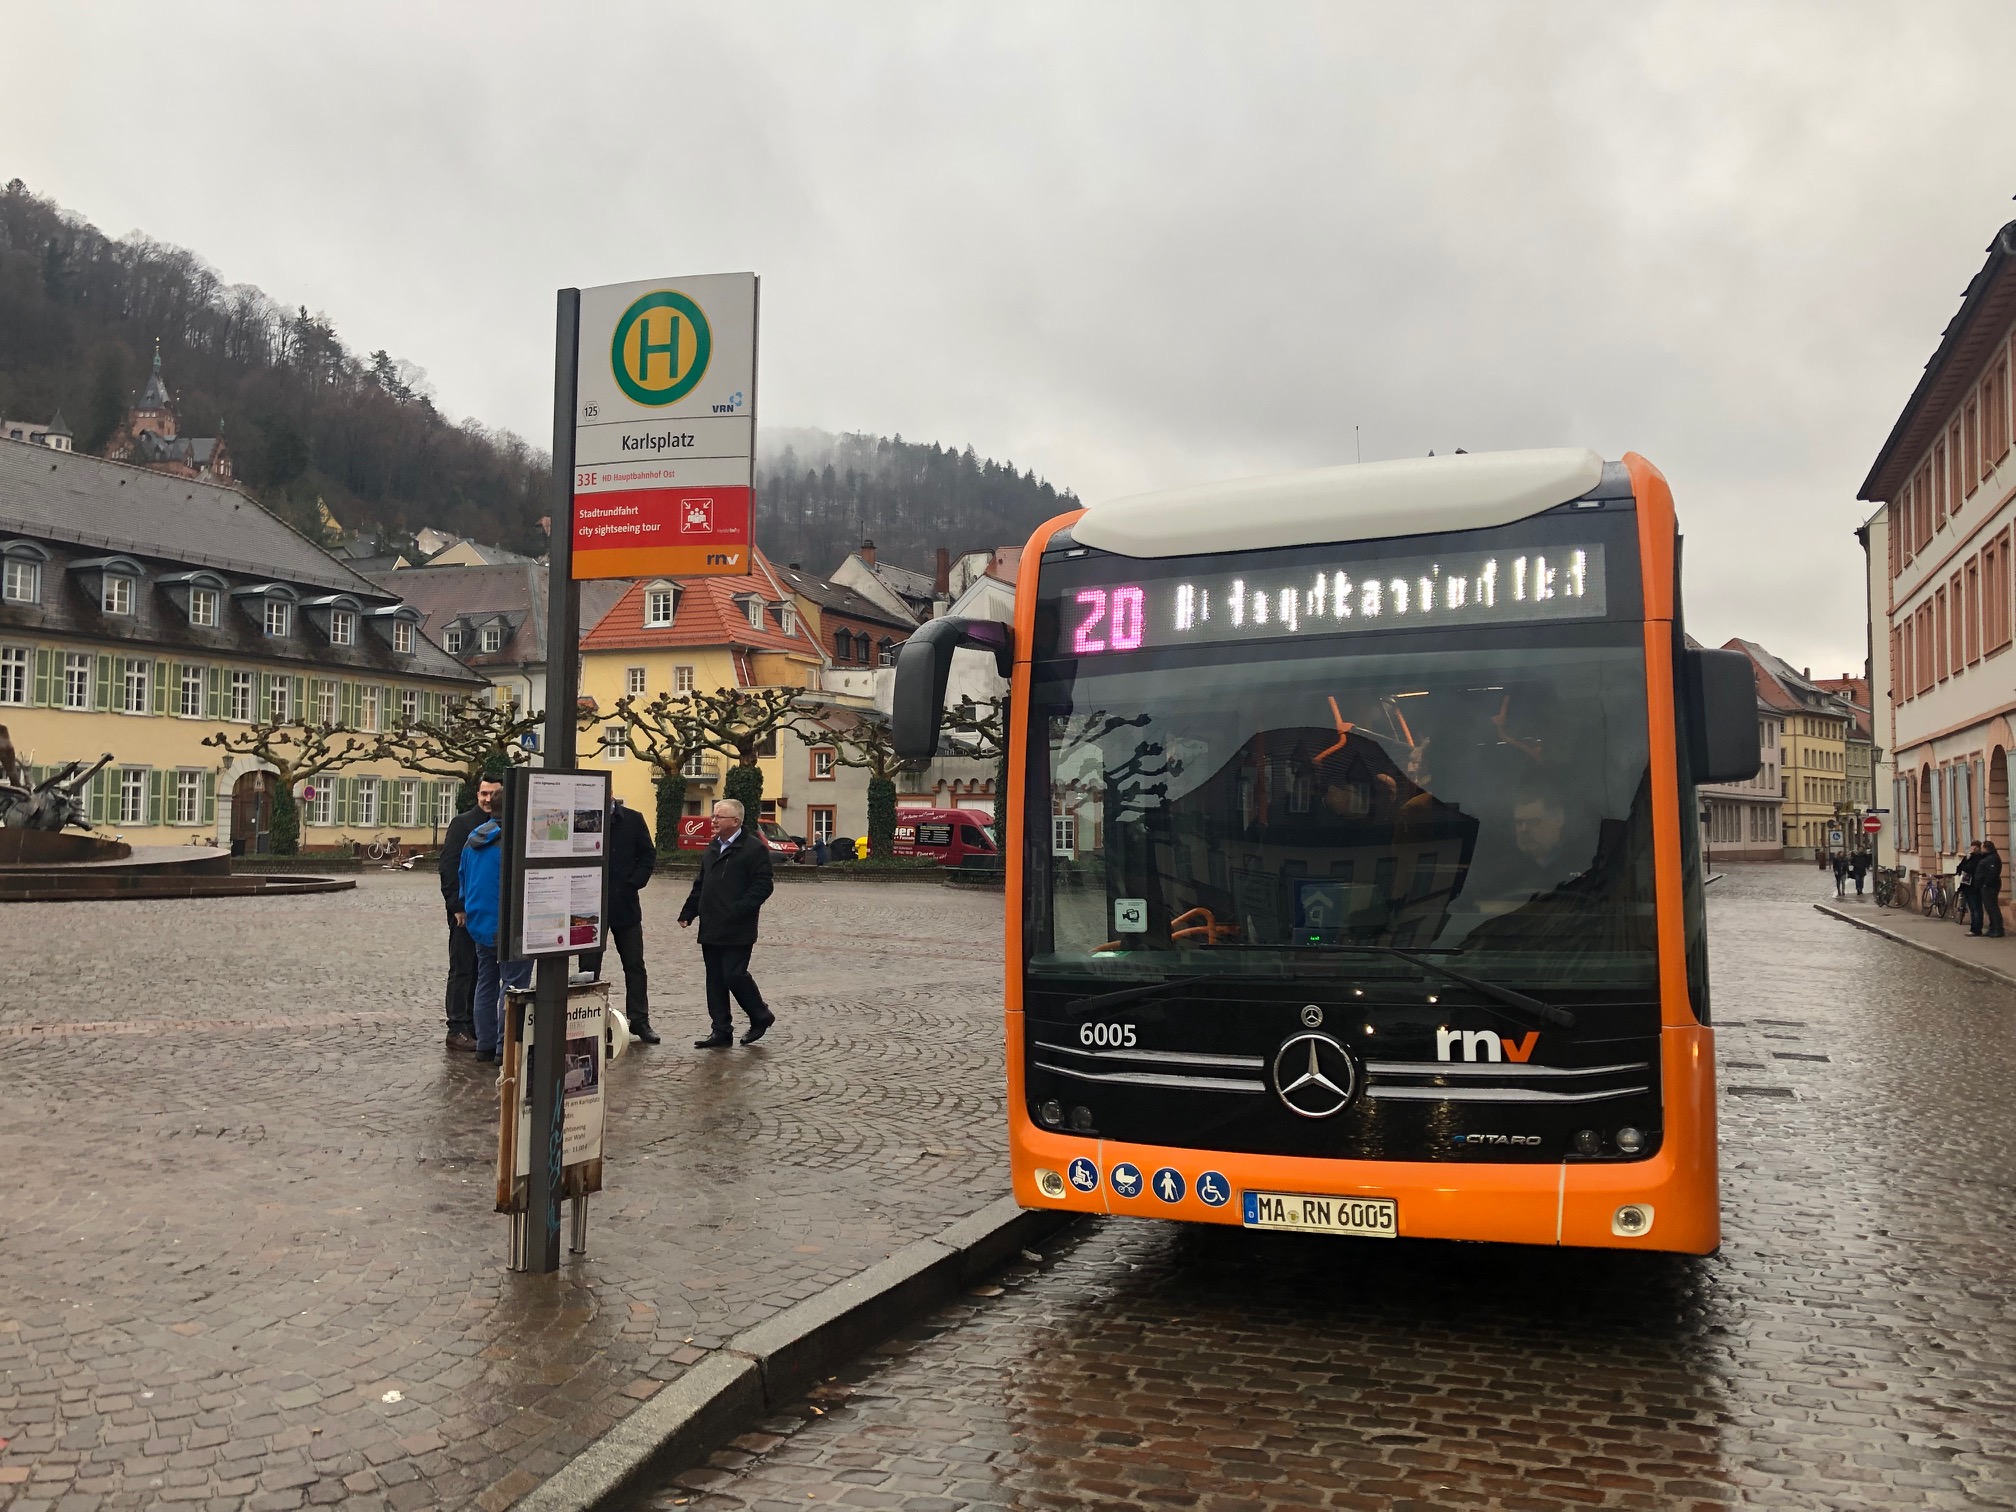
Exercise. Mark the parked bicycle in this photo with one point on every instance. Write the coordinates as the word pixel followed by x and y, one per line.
pixel 1935 898
pixel 1889 886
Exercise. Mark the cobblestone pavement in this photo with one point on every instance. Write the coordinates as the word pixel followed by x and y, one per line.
pixel 1852 1345
pixel 248 1259
pixel 1947 937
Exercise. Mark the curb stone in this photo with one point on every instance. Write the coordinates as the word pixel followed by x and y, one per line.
pixel 772 1362
pixel 2005 978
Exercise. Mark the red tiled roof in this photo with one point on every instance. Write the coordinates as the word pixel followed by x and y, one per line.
pixel 707 615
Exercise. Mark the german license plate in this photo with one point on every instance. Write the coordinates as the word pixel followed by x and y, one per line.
pixel 1366 1217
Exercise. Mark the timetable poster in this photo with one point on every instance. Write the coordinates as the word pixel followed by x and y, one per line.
pixel 564 817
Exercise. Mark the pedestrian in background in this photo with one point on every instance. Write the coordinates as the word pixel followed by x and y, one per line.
pixel 482 871
pixel 461 1005
pixel 1988 888
pixel 727 896
pixel 1963 886
pixel 632 859
pixel 1858 868
pixel 1840 874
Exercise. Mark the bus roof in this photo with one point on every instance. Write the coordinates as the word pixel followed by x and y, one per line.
pixel 1414 496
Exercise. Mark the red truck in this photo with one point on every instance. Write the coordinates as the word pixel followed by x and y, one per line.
pixel 952 837
pixel 696 832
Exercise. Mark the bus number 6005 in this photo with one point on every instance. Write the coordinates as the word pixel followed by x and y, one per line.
pixel 1117 1035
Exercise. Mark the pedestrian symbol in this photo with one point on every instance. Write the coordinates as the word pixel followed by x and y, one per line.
pixel 1213 1190
pixel 1169 1184
pixel 1084 1175
pixel 1126 1180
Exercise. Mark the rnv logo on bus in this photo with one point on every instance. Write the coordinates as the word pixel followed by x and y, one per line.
pixel 1483 1045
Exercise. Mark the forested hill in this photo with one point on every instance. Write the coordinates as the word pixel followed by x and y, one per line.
pixel 303 415
pixel 820 495
pixel 309 420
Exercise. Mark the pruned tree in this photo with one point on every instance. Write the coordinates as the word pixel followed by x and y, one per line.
pixel 979 728
pixel 861 738
pixel 738 722
pixel 664 733
pixel 470 740
pixel 297 753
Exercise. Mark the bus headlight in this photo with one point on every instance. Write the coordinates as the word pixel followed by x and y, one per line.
pixel 1050 1184
pixel 1588 1142
pixel 1630 1141
pixel 1081 1119
pixel 1632 1221
pixel 1052 1113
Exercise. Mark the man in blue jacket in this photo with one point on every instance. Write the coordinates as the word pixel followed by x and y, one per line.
pixel 482 872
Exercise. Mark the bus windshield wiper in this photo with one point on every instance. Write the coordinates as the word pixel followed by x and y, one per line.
pixel 1137 994
pixel 1546 1013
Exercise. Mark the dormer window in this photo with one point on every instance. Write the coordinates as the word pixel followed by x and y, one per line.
pixel 402 637
pixel 493 638
pixel 455 639
pixel 755 608
pixel 279 617
pixel 203 606
pixel 116 596
pixel 787 618
pixel 659 601
pixel 21 583
pixel 342 628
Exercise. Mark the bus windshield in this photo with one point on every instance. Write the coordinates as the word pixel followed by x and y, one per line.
pixel 1484 797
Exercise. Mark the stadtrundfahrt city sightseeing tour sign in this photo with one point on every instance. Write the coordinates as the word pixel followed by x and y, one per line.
pixel 665 428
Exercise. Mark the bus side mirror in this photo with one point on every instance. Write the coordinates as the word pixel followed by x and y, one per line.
pixel 1721 692
pixel 924 666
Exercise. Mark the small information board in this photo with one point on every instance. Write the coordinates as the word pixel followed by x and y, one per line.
pixel 556 865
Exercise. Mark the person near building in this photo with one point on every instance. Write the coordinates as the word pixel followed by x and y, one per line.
pixel 1858 868
pixel 482 872
pixel 727 897
pixel 461 1006
pixel 1986 894
pixel 1963 887
pixel 1840 873
pixel 632 859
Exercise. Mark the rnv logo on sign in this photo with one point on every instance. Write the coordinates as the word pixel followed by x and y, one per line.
pixel 1483 1045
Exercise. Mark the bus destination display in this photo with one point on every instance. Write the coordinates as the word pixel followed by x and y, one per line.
pixel 1455 590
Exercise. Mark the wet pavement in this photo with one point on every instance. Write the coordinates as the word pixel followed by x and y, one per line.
pixel 1852 1345
pixel 248 1260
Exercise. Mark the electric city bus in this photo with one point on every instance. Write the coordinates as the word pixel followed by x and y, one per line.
pixel 1352 866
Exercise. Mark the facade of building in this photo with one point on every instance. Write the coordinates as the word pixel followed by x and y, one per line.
pixel 1812 751
pixel 1941 601
pixel 141 612
pixel 1740 821
pixel 150 437
pixel 899 591
pixel 1861 768
pixel 52 433
pixel 857 634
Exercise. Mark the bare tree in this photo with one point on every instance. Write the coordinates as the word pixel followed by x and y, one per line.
pixel 297 753
pixel 664 733
pixel 738 722
pixel 470 738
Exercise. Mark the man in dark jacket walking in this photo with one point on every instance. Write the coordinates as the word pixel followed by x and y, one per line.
pixel 1964 889
pixel 461 1006
pixel 727 896
pixel 632 859
pixel 1988 889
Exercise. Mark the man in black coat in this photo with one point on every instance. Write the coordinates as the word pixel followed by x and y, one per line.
pixel 727 896
pixel 632 859
pixel 1988 886
pixel 461 1006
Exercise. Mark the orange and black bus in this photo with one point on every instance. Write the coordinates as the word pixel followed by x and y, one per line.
pixel 1352 863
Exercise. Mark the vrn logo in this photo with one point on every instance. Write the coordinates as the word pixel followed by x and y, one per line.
pixel 732 407
pixel 1483 1045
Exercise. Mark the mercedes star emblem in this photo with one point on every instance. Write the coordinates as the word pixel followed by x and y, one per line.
pixel 1312 1017
pixel 1314 1076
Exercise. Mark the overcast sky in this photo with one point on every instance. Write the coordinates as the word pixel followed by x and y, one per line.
pixel 1131 246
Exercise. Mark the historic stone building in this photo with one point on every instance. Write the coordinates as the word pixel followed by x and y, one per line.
pixel 150 436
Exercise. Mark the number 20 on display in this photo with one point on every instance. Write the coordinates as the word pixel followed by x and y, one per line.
pixel 1121 611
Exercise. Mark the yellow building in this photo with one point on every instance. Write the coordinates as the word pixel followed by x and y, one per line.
pixel 141 612
pixel 682 635
pixel 1813 764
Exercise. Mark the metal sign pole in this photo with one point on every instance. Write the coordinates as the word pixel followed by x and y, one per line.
pixel 563 681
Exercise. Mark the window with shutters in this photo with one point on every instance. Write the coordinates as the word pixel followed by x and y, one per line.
pixel 1896 664
pixel 342 628
pixel 189 700
pixel 682 679
pixel 633 681
pixel 370 709
pixel 14 674
pixel 406 815
pixel 1926 677
pixel 1939 635
pixel 133 685
pixel 1970 441
pixel 1954 469
pixel 322 802
pixel 22 581
pixel 116 596
pixel 366 806
pixel 1955 646
pixel 409 706
pixel 203 605
pixel 323 692
pixel 1995 411
pixel 188 801
pixel 283 699
pixel 1896 541
pixel 1971 603
pixel 132 795
pixel 1926 491
pixel 241 697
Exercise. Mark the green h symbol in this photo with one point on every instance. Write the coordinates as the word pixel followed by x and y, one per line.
pixel 646 346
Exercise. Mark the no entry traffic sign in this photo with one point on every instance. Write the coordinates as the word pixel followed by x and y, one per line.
pixel 1871 823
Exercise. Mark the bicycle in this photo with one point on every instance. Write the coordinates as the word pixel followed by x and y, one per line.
pixel 1889 886
pixel 1935 898
pixel 383 848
